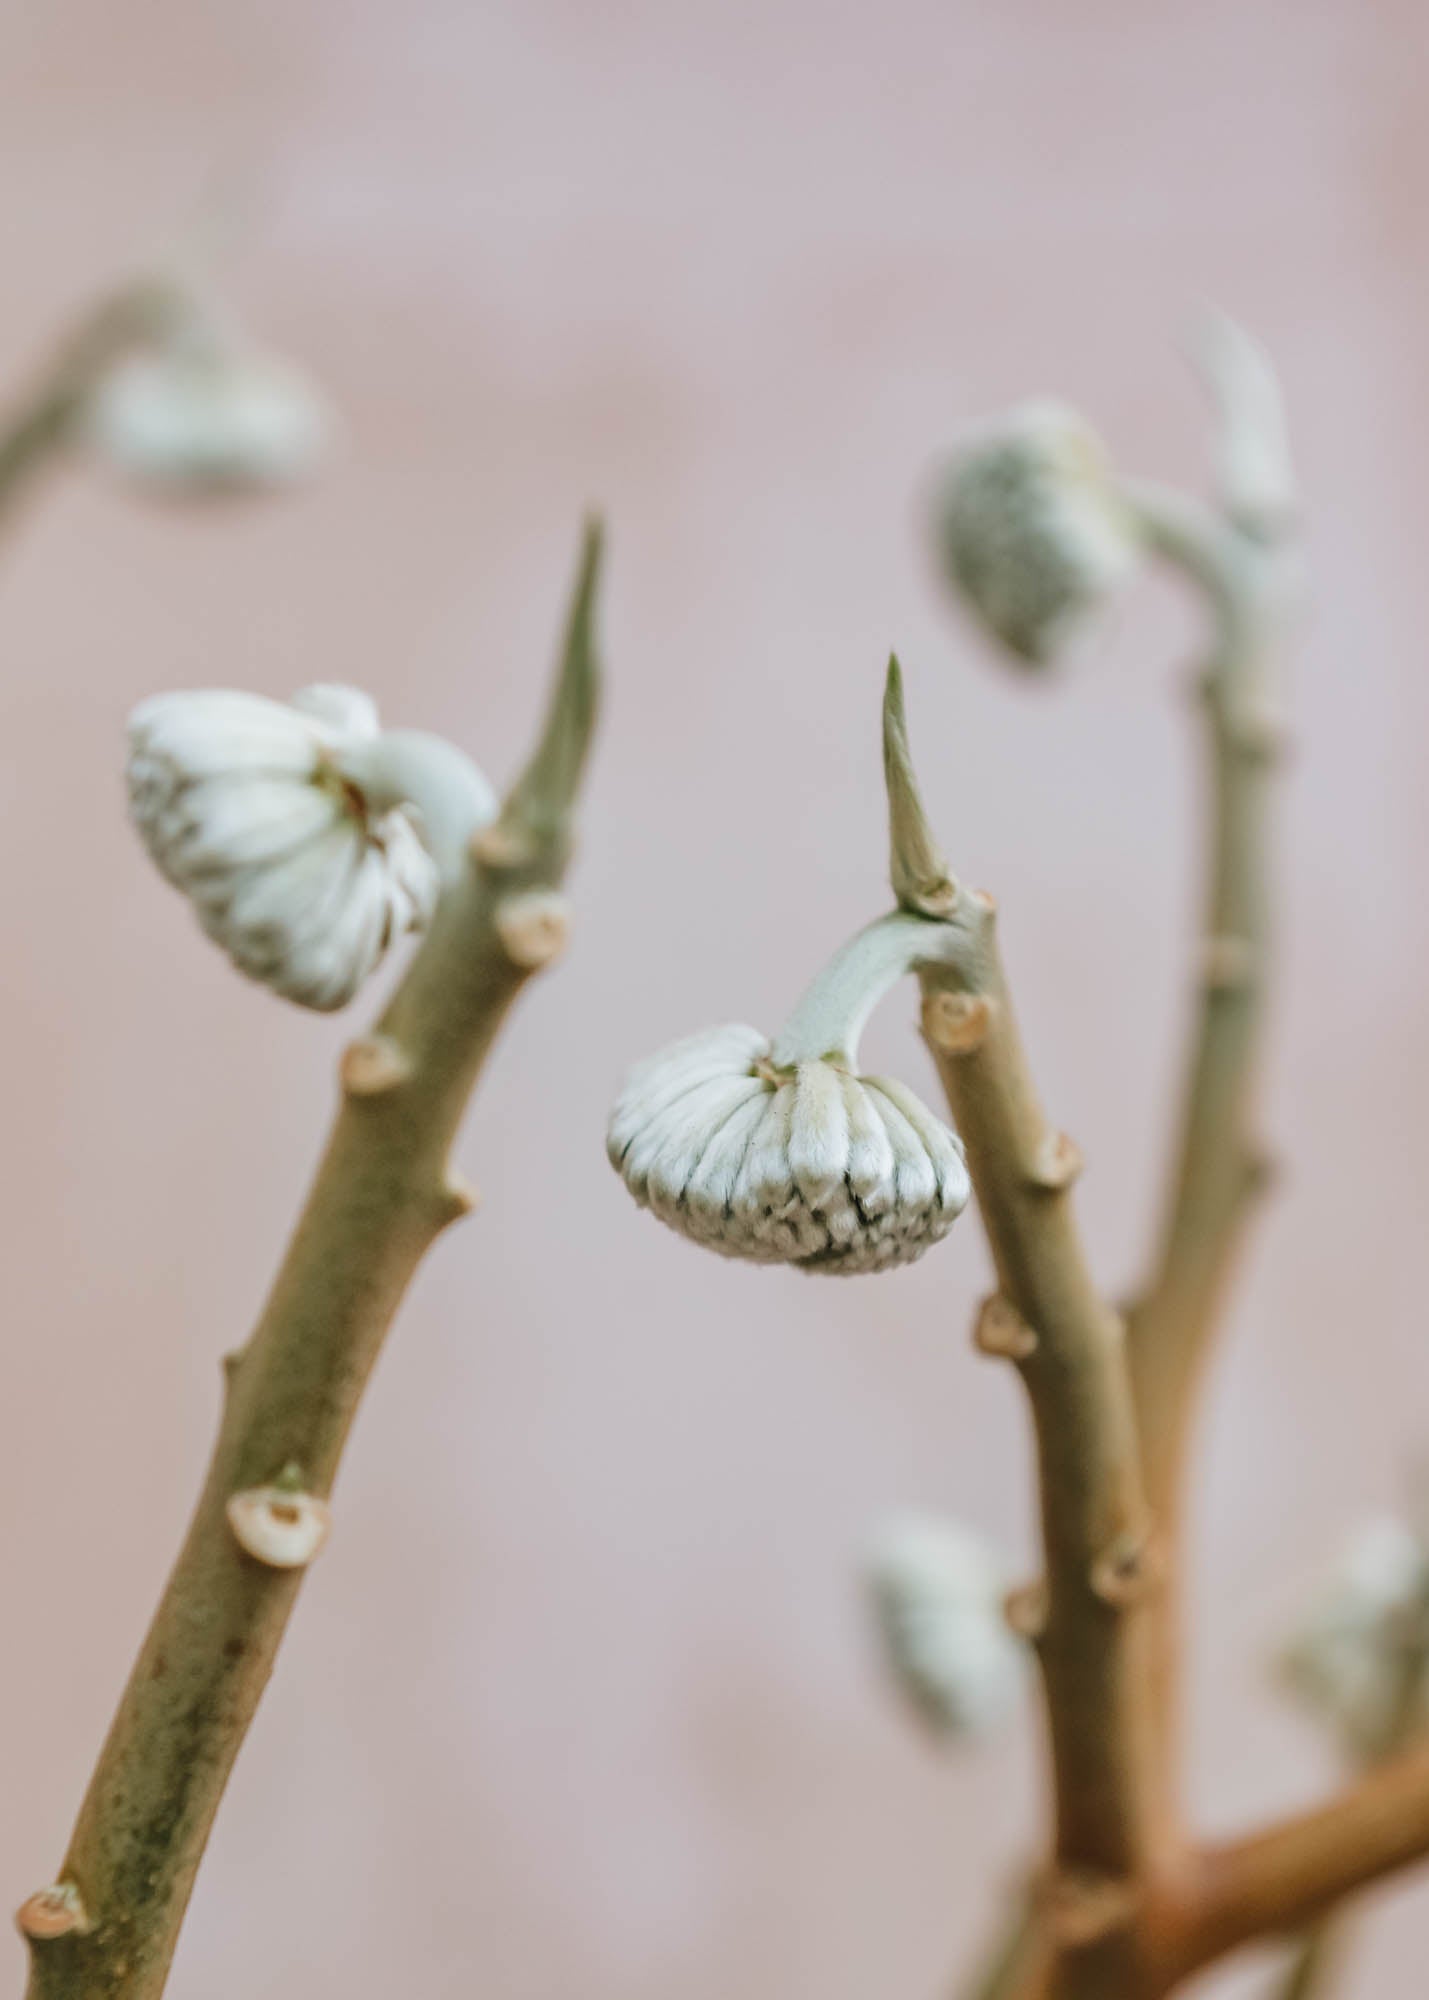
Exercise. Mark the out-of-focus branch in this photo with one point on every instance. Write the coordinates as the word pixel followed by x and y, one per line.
pixel 382 1194
pixel 41 421
pixel 1218 1166
pixel 1283 1879
pixel 1319 1954
pixel 1020 1963
pixel 1238 557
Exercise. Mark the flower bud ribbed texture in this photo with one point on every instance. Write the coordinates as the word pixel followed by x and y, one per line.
pixel 237 801
pixel 819 1168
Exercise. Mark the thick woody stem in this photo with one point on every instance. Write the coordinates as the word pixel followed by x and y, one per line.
pixel 382 1194
pixel 1097 1536
pixel 1283 1879
pixel 43 419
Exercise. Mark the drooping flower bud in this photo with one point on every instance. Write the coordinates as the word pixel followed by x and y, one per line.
pixel 782 1152
pixel 1360 1658
pixel 207 413
pixel 1032 531
pixel 938 1593
pixel 252 809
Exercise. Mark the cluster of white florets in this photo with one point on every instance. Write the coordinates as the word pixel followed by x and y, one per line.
pixel 205 412
pixel 242 803
pixel 938 1594
pixel 1032 530
pixel 813 1165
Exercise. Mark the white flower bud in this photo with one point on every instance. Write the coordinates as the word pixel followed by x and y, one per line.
pixel 1358 1659
pixel 245 805
pixel 207 413
pixel 1033 531
pixel 938 1594
pixel 811 1165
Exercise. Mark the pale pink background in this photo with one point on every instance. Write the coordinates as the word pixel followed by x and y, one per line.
pixel 580 1702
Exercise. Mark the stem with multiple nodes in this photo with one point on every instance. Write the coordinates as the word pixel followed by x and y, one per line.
pixel 1176 1908
pixel 1090 1617
pixel 43 418
pixel 1218 1167
pixel 383 1193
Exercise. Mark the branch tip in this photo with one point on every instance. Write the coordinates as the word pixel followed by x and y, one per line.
pixel 917 868
pixel 1254 472
pixel 537 814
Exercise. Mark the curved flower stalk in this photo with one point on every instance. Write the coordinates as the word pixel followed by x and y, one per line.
pixel 938 1594
pixel 782 1152
pixel 1033 530
pixel 206 412
pixel 386 1188
pixel 271 817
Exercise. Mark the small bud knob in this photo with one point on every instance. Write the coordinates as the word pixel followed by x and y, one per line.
pixel 276 1526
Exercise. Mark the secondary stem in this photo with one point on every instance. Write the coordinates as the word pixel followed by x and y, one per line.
pixel 1217 1167
pixel 1283 1879
pixel 382 1194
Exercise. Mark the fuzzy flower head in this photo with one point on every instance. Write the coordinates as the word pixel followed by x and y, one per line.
pixel 1360 1658
pixel 207 413
pixel 1032 531
pixel 783 1152
pixel 938 1592
pixel 249 807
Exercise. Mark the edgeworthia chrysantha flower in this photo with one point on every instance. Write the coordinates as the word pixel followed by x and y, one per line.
pixel 938 1594
pixel 1360 1658
pixel 206 412
pixel 289 826
pixel 782 1151
pixel 1033 531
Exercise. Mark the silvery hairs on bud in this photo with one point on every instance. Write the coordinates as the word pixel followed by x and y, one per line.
pixel 937 1592
pixel 1359 1658
pixel 812 1165
pixel 244 805
pixel 1032 531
